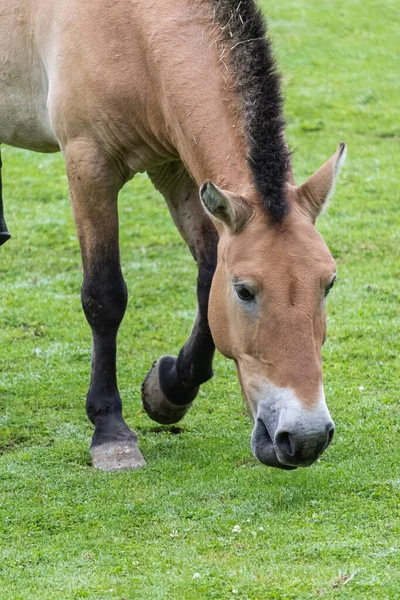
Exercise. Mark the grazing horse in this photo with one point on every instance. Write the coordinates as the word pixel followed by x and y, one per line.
pixel 187 91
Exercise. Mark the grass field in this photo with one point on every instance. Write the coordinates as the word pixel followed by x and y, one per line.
pixel 204 519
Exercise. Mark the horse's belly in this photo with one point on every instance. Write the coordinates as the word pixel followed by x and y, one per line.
pixel 24 123
pixel 24 120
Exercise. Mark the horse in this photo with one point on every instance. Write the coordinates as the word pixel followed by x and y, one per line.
pixel 189 92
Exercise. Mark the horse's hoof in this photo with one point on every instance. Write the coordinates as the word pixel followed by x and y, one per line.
pixel 117 456
pixel 157 406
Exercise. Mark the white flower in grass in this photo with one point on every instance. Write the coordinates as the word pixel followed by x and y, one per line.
pixel 174 534
pixel 196 576
pixel 237 529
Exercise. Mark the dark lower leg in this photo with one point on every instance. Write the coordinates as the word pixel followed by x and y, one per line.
pixel 104 298
pixel 4 234
pixel 181 377
pixel 173 382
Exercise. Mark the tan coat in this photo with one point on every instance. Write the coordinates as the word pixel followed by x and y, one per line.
pixel 125 86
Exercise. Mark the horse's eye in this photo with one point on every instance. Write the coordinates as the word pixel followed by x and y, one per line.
pixel 244 293
pixel 330 286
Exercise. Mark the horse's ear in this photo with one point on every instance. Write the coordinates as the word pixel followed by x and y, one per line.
pixel 314 194
pixel 225 207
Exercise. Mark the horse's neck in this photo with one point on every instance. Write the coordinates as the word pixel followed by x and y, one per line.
pixel 197 103
pixel 210 148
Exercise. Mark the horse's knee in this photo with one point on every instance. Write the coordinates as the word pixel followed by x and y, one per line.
pixel 104 299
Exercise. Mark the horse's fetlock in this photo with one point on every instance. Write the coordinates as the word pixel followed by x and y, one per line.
pixel 100 413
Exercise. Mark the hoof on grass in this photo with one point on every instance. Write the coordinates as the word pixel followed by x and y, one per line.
pixel 157 406
pixel 117 456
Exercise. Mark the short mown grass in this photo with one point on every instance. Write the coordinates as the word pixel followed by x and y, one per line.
pixel 204 519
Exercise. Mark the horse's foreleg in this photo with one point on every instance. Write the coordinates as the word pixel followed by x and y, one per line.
pixel 173 382
pixel 94 185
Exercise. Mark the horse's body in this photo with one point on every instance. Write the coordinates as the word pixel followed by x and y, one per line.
pixel 185 90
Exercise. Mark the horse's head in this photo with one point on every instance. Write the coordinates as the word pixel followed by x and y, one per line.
pixel 267 313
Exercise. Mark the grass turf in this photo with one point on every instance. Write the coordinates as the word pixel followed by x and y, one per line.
pixel 204 519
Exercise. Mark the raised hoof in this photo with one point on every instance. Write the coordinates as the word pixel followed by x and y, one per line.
pixel 157 406
pixel 117 456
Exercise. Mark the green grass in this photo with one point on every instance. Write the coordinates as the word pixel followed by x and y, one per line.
pixel 166 532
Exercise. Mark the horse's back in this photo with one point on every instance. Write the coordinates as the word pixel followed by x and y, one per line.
pixel 70 68
pixel 59 56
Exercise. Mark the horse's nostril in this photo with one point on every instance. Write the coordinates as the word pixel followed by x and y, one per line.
pixel 283 440
pixel 295 449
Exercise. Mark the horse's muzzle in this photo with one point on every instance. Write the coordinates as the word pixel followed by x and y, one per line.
pixel 290 444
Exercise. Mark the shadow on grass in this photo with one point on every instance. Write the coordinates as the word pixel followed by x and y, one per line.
pixel 173 430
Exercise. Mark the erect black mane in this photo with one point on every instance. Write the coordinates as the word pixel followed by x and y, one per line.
pixel 257 81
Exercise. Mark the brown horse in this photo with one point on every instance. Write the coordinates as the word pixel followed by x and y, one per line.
pixel 186 90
